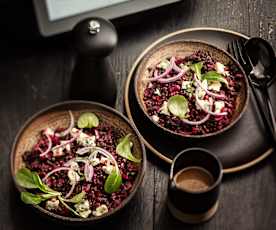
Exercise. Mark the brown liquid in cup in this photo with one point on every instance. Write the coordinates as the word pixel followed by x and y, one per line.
pixel 194 179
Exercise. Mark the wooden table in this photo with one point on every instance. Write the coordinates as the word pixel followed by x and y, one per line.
pixel 37 74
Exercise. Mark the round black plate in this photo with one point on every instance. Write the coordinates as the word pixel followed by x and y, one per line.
pixel 242 146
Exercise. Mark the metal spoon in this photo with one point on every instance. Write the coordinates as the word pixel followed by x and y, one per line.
pixel 262 59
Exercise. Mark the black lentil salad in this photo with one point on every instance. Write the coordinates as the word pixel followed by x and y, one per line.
pixel 86 170
pixel 192 95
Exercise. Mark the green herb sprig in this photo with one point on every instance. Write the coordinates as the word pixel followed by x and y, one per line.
pixel 124 149
pixel 113 182
pixel 178 106
pixel 31 180
pixel 214 76
pixel 88 120
pixel 196 67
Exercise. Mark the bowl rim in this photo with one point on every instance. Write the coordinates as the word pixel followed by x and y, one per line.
pixel 78 219
pixel 190 136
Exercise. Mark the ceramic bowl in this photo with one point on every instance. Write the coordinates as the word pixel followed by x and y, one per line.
pixel 57 116
pixel 184 48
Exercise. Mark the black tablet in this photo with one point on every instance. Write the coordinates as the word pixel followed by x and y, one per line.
pixel 57 16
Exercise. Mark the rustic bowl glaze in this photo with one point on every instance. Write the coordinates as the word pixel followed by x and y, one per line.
pixel 57 116
pixel 185 48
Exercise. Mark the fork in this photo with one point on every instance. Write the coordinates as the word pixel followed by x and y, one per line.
pixel 236 49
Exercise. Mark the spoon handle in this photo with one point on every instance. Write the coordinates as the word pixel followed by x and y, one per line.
pixel 269 109
pixel 266 122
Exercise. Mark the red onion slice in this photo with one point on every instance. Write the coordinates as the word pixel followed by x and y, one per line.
pixel 77 159
pixel 206 110
pixel 49 146
pixel 171 79
pixel 71 191
pixel 207 91
pixel 88 171
pixel 99 150
pixel 68 130
pixel 97 135
pixel 165 73
pixel 197 122
pixel 65 143
pixel 176 68
pixel 54 171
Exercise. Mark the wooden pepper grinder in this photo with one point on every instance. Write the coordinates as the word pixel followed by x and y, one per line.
pixel 93 77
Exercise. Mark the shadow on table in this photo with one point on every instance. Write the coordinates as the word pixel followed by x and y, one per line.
pixel 165 167
pixel 165 220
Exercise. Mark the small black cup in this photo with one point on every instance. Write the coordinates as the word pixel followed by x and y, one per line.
pixel 194 204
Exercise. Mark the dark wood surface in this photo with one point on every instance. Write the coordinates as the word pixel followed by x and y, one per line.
pixel 37 74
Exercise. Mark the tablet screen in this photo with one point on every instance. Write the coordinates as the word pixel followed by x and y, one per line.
pixel 59 9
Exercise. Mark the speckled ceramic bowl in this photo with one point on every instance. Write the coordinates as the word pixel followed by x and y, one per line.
pixel 184 48
pixel 57 116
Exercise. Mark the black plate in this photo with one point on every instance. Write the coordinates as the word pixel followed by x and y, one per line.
pixel 242 146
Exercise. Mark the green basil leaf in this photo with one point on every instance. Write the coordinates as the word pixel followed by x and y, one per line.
pixel 68 207
pixel 214 76
pixel 196 67
pixel 88 120
pixel 113 182
pixel 43 187
pixel 77 198
pixel 47 196
pixel 124 149
pixel 24 177
pixel 178 106
pixel 29 198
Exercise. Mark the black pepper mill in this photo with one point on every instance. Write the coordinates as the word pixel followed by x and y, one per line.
pixel 93 77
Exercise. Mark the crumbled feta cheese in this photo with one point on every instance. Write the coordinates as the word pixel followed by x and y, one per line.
pixel 74 166
pixel 185 67
pixel 58 152
pixel 157 92
pixel 201 92
pixel 150 85
pixel 204 103
pixel 104 160
pixel 164 108
pixel 102 209
pixel 214 85
pixel 86 140
pixel 83 138
pixel 73 176
pixel 83 208
pixel 164 64
pixel 220 68
pixel 85 214
pixel 95 161
pixel 49 132
pixel 74 131
pixel 186 84
pixel 205 84
pixel 108 168
pixel 52 204
pixel 155 118
pixel 67 147
pixel 219 105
